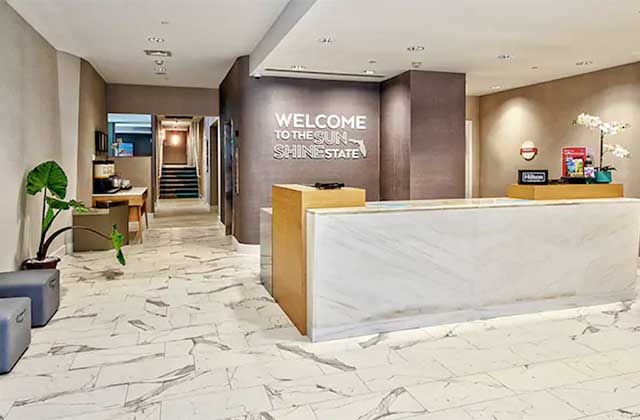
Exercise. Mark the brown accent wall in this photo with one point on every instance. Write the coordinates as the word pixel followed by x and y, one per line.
pixel 422 136
pixel 251 103
pixel 92 116
pixel 543 114
pixel 143 99
pixel 395 138
pixel 437 135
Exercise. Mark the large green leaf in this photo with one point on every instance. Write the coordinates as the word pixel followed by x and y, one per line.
pixel 117 239
pixel 48 219
pixel 47 175
pixel 66 205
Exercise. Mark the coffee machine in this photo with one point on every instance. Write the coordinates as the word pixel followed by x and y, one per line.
pixel 105 180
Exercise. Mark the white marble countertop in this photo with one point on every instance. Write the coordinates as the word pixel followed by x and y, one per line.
pixel 461 203
pixel 131 191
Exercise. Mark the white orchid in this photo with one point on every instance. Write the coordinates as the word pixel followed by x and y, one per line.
pixel 607 128
pixel 617 151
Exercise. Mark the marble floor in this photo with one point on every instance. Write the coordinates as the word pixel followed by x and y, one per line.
pixel 186 332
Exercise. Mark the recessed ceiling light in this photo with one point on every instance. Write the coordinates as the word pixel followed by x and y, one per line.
pixel 326 40
pixel 504 57
pixel 159 62
pixel 164 22
pixel 415 48
pixel 584 63
pixel 158 53
pixel 155 39
pixel 298 67
pixel 161 70
pixel 535 68
pixel 372 61
pixel 369 72
pixel 496 87
pixel 416 64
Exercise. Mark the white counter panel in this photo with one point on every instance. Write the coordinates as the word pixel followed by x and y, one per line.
pixel 375 271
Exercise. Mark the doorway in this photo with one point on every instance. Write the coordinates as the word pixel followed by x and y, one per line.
pixel 175 148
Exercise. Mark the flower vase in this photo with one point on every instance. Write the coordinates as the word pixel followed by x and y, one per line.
pixel 603 177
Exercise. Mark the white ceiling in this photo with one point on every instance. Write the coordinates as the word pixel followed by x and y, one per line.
pixel 458 35
pixel 205 36
pixel 464 36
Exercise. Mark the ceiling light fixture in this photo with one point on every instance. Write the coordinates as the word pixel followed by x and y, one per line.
pixel 415 48
pixel 369 72
pixel 298 67
pixel 504 57
pixel 155 39
pixel 416 64
pixel 535 68
pixel 584 63
pixel 164 22
pixel 496 87
pixel 326 40
pixel 161 70
pixel 158 53
pixel 159 62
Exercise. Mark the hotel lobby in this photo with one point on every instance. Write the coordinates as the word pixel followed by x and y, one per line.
pixel 320 210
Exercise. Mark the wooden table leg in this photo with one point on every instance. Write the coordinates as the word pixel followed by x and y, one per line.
pixel 140 225
pixel 146 215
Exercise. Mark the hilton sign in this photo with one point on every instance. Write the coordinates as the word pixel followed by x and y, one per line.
pixel 322 136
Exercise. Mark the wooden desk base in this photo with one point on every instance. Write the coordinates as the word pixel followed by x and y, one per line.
pixel 137 207
pixel 565 191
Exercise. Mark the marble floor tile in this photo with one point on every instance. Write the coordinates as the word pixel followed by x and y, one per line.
pixel 44 365
pixel 456 392
pixel 619 414
pixel 392 376
pixel 602 365
pixel 64 405
pixel 470 361
pixel 22 387
pixel 5 406
pixel 317 389
pixel 539 376
pixel 601 395
pixel 214 406
pixel 234 358
pixel 303 412
pixel 551 349
pixel 533 406
pixel 395 404
pixel 453 414
pixel 274 372
pixel 117 356
pixel 611 340
pixel 365 358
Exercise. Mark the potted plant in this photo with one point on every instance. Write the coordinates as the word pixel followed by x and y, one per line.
pixel 50 179
pixel 603 172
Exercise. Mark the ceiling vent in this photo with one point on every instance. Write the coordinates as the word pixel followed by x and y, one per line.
pixel 326 73
pixel 158 53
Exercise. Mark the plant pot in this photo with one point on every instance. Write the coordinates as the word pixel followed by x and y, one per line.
pixel 603 177
pixel 36 264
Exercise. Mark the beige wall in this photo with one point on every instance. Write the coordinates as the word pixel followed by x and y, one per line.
pixel 30 127
pixel 543 114
pixel 138 170
pixel 92 117
pixel 161 100
pixel 472 113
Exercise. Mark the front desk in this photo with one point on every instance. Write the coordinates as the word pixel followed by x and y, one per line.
pixel 399 265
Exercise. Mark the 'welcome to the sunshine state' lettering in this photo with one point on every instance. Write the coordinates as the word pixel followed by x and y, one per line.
pixel 331 121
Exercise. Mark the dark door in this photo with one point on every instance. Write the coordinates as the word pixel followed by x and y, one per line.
pixel 228 153
pixel 213 164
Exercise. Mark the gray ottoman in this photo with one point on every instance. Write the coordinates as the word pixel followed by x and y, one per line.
pixel 42 286
pixel 15 331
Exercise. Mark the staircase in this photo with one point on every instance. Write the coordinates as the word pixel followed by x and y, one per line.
pixel 179 181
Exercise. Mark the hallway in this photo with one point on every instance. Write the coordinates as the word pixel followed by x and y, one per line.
pixel 186 332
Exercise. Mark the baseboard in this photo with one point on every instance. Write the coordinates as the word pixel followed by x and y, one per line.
pixel 249 249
